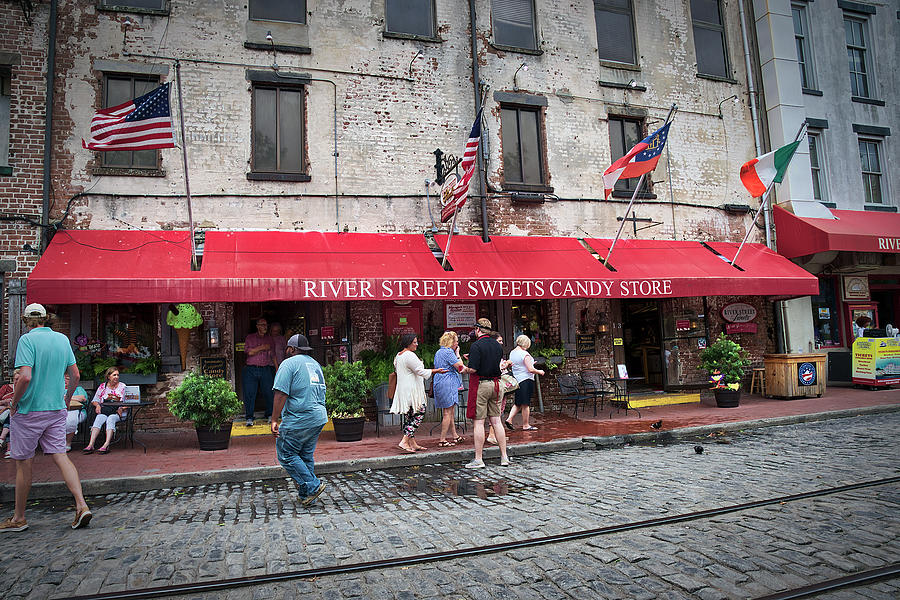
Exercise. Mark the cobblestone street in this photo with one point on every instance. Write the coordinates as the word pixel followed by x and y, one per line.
pixel 182 535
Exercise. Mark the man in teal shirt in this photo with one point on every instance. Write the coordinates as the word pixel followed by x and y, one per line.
pixel 300 405
pixel 38 412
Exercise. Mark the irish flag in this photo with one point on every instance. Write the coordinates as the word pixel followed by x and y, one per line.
pixel 758 174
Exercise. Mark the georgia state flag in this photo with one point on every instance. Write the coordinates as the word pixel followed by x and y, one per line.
pixel 639 160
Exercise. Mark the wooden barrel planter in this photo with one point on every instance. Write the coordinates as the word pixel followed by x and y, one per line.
pixel 214 439
pixel 349 430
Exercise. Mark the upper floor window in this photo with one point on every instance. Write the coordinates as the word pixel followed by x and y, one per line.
pixel 278 132
pixel 624 133
pixel 858 56
pixel 804 51
pixel 117 89
pixel 290 11
pixel 523 156
pixel 513 22
pixel 816 164
pixel 615 31
pixel 870 160
pixel 709 38
pixel 5 117
pixel 410 17
pixel 134 4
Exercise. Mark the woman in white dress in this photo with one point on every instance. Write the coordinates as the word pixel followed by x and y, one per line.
pixel 409 397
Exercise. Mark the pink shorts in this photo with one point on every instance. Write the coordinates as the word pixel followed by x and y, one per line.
pixel 46 427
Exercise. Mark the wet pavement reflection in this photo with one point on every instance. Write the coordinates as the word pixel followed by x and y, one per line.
pixel 459 487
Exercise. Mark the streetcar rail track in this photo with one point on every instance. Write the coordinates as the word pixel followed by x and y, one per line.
pixel 225 584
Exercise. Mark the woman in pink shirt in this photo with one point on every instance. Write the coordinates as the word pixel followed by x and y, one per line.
pixel 112 390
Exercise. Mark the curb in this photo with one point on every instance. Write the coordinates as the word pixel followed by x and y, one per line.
pixel 99 487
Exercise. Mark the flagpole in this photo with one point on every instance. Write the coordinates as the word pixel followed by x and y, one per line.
pixel 625 218
pixel 763 204
pixel 634 195
pixel 449 238
pixel 195 266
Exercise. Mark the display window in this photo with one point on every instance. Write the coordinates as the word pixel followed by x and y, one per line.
pixel 530 318
pixel 126 339
pixel 826 317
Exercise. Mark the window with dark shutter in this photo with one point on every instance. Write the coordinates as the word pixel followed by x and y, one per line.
pixel 513 22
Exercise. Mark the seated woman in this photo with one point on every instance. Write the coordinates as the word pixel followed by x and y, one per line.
pixel 77 412
pixel 112 390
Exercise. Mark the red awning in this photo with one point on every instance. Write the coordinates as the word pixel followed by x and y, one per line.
pixel 851 231
pixel 104 267
pixel 84 266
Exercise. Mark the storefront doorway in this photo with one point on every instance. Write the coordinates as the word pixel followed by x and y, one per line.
pixel 641 336
pixel 886 293
pixel 325 324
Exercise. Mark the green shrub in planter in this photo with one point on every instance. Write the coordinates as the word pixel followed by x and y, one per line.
pixel 726 357
pixel 346 386
pixel 207 401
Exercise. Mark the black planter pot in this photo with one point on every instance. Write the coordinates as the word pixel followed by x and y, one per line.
pixel 214 440
pixel 727 398
pixel 349 430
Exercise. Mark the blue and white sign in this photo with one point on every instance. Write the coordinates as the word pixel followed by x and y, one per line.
pixel 806 373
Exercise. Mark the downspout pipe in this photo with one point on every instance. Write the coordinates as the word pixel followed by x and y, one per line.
pixel 754 111
pixel 476 80
pixel 48 125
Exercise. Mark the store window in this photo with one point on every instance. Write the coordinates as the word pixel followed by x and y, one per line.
pixel 825 314
pixel 126 339
pixel 513 22
pixel 409 17
pixel 709 38
pixel 293 11
pixel 615 31
pixel 118 89
pixel 530 318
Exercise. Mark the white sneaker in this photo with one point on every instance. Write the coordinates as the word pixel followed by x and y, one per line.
pixel 504 462
pixel 475 464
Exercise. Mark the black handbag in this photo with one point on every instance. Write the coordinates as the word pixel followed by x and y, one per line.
pixel 108 410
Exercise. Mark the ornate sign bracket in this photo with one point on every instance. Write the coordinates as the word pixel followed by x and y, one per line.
pixel 444 164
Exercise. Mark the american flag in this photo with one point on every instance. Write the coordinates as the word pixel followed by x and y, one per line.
pixel 460 191
pixel 144 123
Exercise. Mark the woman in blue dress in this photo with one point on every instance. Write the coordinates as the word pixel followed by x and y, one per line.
pixel 447 385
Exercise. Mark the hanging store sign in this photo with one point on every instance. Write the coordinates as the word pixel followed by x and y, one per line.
pixel 485 289
pixel 460 315
pixel 740 328
pixel 738 312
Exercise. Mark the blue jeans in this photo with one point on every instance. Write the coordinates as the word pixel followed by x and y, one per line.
pixel 295 448
pixel 259 379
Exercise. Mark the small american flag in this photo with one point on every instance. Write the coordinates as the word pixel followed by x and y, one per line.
pixel 460 192
pixel 144 123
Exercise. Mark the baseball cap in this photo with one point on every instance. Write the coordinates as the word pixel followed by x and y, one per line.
pixel 483 323
pixel 299 342
pixel 35 310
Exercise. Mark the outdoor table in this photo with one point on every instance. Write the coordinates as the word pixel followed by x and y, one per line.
pixel 622 394
pixel 133 409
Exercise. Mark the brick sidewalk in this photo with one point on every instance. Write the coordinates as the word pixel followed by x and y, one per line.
pixel 170 453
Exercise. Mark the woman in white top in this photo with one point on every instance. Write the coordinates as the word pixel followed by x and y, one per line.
pixel 409 397
pixel 112 390
pixel 524 372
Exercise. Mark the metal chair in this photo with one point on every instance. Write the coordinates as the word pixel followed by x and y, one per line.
pixel 622 398
pixel 596 387
pixel 570 391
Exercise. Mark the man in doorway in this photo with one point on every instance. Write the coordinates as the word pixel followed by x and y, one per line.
pixel 484 361
pixel 300 406
pixel 38 412
pixel 259 372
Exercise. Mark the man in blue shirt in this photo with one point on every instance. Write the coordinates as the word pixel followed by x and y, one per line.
pixel 300 405
pixel 38 411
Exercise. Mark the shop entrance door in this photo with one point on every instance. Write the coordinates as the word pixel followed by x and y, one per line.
pixel 641 335
pixel 886 293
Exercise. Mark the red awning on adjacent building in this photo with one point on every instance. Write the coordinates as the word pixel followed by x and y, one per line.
pixel 851 231
pixel 84 267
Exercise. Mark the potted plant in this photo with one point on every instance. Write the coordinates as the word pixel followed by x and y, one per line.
pixel 553 357
pixel 209 402
pixel 143 371
pixel 346 386
pixel 725 362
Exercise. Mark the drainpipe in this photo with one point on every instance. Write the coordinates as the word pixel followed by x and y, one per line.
pixel 476 80
pixel 754 112
pixel 48 124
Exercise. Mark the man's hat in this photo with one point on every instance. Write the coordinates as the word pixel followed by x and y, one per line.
pixel 483 324
pixel 35 310
pixel 299 342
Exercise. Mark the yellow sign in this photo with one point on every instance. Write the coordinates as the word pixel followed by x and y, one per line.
pixel 618 342
pixel 876 361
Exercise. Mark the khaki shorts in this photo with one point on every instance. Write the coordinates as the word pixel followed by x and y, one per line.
pixel 487 401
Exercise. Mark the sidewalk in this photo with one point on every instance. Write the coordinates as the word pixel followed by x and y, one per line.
pixel 172 459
